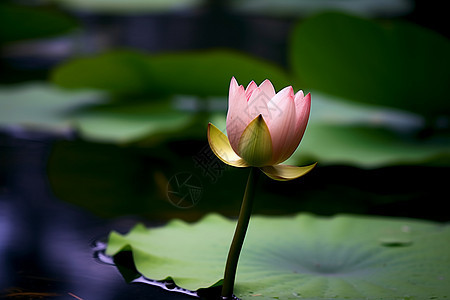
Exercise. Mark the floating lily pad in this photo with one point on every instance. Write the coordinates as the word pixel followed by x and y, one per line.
pixel 331 110
pixel 187 73
pixel 40 105
pixel 367 147
pixel 118 72
pixel 300 257
pixel 124 123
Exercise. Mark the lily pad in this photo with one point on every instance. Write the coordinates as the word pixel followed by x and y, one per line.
pixel 118 72
pixel 40 105
pixel 367 147
pixel 303 256
pixel 185 73
pixel 130 122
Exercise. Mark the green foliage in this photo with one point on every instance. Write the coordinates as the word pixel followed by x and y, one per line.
pixel 205 73
pixel 116 72
pixel 392 64
pixel 348 57
pixel 22 22
pixel 344 257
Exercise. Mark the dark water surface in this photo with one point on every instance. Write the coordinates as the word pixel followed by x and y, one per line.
pixel 46 244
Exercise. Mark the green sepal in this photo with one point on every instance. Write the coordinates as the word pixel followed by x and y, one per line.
pixel 255 144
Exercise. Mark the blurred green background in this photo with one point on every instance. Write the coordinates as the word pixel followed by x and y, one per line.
pixel 125 90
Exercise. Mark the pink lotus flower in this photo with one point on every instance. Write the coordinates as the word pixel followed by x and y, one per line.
pixel 264 128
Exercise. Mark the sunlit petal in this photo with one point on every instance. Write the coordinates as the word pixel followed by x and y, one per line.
pixel 285 173
pixel 222 149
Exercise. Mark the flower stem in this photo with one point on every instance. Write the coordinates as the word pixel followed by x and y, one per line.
pixel 239 234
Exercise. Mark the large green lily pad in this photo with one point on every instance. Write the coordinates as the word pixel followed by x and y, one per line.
pixel 367 147
pixel 300 257
pixel 40 105
pixel 185 73
pixel 126 123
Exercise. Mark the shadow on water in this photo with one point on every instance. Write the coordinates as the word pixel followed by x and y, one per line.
pixel 125 264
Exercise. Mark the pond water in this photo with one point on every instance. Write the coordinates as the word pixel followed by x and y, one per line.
pixel 46 244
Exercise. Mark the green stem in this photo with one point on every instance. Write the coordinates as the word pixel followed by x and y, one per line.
pixel 239 234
